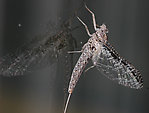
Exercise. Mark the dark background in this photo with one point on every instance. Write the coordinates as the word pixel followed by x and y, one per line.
pixel 42 91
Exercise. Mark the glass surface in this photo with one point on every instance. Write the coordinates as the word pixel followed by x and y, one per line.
pixel 35 67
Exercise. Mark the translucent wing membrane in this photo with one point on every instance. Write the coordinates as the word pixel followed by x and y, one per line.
pixel 116 68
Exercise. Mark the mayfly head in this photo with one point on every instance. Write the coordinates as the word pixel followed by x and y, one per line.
pixel 101 33
pixel 103 28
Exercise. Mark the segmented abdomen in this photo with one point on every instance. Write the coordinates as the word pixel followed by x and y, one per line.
pixel 78 69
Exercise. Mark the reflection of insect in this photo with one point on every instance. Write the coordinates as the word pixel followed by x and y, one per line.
pixel 106 59
pixel 44 49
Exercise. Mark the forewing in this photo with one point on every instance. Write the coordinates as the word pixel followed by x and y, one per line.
pixel 117 68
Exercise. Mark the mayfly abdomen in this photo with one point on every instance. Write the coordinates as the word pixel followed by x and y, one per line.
pixel 78 69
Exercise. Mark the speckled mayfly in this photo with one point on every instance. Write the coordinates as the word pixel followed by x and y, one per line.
pixel 106 59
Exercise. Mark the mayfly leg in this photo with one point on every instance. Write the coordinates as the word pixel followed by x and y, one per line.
pixel 71 52
pixel 93 17
pixel 85 26
pixel 89 68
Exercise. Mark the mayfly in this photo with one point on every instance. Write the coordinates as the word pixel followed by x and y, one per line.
pixel 105 58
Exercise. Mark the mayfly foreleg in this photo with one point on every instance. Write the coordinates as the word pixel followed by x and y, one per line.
pixel 85 26
pixel 93 17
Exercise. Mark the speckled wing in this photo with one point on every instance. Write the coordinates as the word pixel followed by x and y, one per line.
pixel 116 68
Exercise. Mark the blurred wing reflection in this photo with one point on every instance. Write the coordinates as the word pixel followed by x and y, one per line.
pixel 45 50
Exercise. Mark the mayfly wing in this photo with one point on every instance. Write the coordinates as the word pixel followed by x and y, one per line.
pixel 116 68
